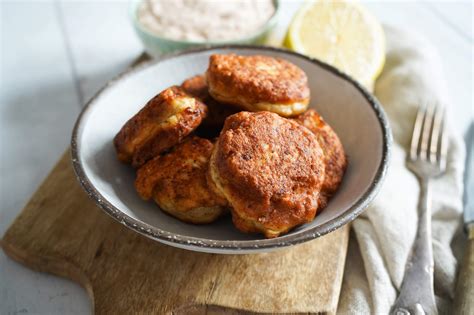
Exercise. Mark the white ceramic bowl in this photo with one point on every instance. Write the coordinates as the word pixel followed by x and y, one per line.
pixel 353 112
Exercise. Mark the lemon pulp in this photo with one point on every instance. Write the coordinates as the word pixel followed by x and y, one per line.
pixel 342 34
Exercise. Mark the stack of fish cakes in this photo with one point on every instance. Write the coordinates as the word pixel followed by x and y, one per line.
pixel 238 139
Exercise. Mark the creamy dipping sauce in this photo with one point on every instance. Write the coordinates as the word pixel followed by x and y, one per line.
pixel 204 20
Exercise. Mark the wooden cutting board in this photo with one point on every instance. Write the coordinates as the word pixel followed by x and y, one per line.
pixel 63 232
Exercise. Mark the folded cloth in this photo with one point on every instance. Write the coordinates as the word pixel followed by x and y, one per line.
pixel 381 238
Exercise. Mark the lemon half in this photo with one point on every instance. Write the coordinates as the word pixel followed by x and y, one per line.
pixel 342 34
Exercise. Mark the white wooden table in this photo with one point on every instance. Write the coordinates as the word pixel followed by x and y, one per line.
pixel 56 54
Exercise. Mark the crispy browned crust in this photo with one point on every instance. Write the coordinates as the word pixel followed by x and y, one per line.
pixel 158 126
pixel 247 81
pixel 177 182
pixel 334 157
pixel 217 112
pixel 197 87
pixel 270 169
pixel 170 135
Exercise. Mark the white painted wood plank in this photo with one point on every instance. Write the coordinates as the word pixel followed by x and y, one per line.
pixel 102 40
pixel 454 50
pixel 38 106
pixel 456 14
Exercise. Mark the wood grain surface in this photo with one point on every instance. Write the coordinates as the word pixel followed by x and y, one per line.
pixel 61 231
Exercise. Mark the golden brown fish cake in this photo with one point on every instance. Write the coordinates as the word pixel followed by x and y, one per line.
pixel 197 87
pixel 258 83
pixel 177 182
pixel 164 121
pixel 334 157
pixel 217 112
pixel 270 169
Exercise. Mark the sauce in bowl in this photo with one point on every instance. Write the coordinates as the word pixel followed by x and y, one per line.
pixel 204 20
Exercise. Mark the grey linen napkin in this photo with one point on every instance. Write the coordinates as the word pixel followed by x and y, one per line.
pixel 382 236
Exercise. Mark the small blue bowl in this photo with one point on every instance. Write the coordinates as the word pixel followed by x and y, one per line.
pixel 156 45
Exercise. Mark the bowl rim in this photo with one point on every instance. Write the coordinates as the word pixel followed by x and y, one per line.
pixel 223 246
pixel 133 7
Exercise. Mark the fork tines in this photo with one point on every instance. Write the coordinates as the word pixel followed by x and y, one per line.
pixel 429 141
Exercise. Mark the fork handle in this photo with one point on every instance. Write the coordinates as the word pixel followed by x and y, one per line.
pixel 416 294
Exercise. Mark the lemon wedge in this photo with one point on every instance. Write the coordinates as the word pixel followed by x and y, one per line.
pixel 342 34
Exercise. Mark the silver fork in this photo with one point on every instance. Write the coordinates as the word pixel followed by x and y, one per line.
pixel 427 159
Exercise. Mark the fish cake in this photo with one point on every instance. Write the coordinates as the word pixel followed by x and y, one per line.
pixel 258 83
pixel 270 169
pixel 334 157
pixel 164 122
pixel 177 182
pixel 197 87
pixel 217 112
